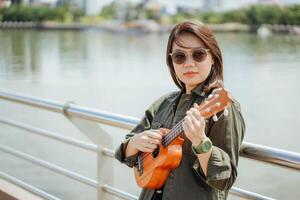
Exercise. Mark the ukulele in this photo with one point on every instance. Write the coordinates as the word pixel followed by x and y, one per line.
pixel 152 169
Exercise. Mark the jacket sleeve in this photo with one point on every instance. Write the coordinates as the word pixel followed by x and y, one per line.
pixel 144 124
pixel 226 135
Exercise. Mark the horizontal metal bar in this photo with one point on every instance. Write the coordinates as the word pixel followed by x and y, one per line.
pixel 108 152
pixel 32 101
pixel 73 110
pixel 49 134
pixel 50 166
pixel 27 186
pixel 247 195
pixel 119 193
pixel 271 155
pixel 112 119
pixel 233 191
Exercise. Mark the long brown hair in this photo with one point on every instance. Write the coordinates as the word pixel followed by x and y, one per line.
pixel 215 78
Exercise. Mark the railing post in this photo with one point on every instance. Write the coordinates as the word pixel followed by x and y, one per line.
pixel 104 141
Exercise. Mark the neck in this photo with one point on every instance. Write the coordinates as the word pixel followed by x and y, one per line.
pixel 189 88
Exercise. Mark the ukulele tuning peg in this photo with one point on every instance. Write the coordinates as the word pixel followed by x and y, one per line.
pixel 225 112
pixel 215 118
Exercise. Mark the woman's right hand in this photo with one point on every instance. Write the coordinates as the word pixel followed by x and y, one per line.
pixel 145 141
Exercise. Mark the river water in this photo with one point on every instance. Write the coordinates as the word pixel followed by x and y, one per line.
pixel 124 74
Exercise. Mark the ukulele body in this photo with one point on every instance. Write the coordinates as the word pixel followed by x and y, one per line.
pixel 155 169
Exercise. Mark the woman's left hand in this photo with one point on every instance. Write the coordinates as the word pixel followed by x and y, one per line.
pixel 194 126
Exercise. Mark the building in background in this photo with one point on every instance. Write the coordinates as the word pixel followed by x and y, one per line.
pixel 5 3
pixel 89 7
pixel 92 7
pixel 267 2
pixel 213 5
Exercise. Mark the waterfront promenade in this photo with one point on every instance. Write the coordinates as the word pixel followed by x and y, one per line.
pixel 146 27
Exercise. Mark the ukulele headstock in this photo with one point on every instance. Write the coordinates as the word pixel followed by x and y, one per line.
pixel 219 100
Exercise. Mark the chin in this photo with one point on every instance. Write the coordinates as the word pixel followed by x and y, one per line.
pixel 195 83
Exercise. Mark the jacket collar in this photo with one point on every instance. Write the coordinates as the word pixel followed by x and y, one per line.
pixel 198 91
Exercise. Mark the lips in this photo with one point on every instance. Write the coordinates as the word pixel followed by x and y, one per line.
pixel 190 73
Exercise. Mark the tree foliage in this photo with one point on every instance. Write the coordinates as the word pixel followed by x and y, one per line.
pixel 36 14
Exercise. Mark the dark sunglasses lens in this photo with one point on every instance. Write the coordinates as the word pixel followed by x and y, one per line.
pixel 199 55
pixel 178 57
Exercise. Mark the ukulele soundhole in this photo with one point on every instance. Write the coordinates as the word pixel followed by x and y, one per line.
pixel 155 152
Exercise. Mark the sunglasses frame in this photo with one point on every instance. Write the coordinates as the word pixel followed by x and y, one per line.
pixel 187 54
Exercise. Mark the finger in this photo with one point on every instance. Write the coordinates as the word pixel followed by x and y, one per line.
pixel 195 105
pixel 187 120
pixel 189 124
pixel 195 116
pixel 145 149
pixel 196 123
pixel 198 116
pixel 188 113
pixel 193 113
pixel 148 140
pixel 164 131
pixel 196 113
pixel 150 145
pixel 185 127
pixel 186 130
pixel 203 121
pixel 154 134
pixel 154 141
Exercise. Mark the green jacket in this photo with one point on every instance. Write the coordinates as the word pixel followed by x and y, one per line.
pixel 188 181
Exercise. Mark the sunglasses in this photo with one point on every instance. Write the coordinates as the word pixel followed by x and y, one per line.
pixel 198 55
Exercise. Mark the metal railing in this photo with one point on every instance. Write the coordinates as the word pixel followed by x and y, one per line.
pixel 86 119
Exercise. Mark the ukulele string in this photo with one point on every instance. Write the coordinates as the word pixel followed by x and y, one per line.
pixel 172 134
pixel 166 138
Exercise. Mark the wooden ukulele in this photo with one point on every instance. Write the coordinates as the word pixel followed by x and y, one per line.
pixel 152 169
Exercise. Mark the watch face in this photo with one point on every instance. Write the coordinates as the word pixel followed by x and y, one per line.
pixel 206 146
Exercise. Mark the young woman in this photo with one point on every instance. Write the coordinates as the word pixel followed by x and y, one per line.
pixel 208 167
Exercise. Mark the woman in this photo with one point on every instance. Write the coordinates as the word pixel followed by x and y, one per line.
pixel 208 166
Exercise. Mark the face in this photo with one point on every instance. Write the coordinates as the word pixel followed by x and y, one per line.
pixel 192 72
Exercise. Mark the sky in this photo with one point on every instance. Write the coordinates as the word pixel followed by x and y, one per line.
pixel 231 3
pixel 227 4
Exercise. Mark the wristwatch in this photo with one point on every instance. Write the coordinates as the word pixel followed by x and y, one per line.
pixel 203 147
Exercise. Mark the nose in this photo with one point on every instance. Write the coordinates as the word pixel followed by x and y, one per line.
pixel 189 62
